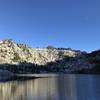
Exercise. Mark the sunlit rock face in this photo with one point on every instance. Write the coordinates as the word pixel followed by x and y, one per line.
pixel 13 53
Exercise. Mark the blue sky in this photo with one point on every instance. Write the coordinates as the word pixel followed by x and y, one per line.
pixel 61 23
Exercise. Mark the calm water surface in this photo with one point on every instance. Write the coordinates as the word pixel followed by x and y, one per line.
pixel 62 87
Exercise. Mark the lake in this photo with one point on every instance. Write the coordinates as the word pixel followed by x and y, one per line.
pixel 60 87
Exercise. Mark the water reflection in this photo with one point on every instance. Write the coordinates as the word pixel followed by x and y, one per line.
pixel 63 87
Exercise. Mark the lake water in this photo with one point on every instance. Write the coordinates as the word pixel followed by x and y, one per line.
pixel 61 87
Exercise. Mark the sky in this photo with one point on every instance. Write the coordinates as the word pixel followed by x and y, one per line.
pixel 62 23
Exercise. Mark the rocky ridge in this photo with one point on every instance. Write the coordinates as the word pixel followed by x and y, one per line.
pixel 68 59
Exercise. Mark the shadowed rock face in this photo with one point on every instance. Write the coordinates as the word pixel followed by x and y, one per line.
pixel 5 75
pixel 94 58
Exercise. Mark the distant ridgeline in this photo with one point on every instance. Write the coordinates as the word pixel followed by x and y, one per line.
pixel 20 58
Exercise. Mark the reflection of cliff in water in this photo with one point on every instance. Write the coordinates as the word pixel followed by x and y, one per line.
pixel 28 90
pixel 63 87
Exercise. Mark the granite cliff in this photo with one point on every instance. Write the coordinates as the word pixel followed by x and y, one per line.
pixel 51 59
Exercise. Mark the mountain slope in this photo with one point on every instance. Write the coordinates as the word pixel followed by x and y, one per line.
pixel 68 59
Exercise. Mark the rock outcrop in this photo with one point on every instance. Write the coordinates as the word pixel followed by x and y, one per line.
pixel 68 59
pixel 12 53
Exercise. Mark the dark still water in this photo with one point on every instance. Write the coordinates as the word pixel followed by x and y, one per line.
pixel 62 87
